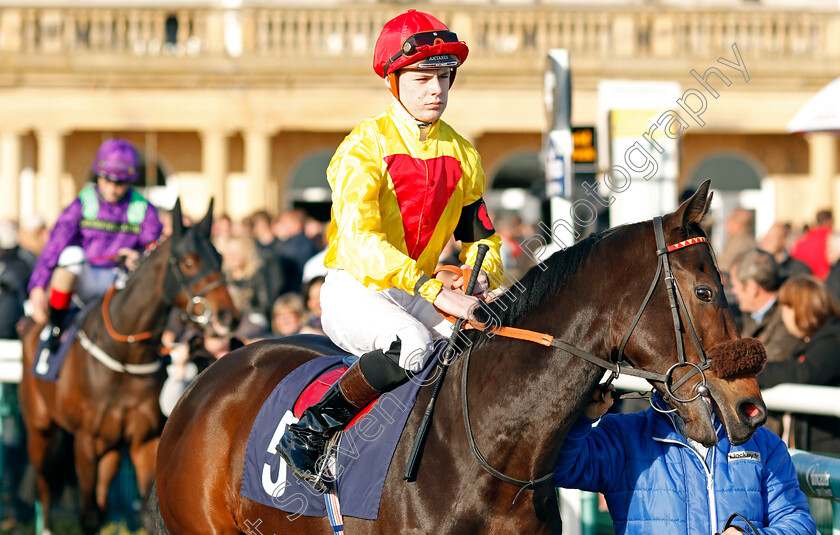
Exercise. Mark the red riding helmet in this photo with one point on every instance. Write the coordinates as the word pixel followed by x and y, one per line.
pixel 413 36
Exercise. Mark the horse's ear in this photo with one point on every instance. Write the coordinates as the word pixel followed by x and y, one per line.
pixel 177 220
pixel 695 208
pixel 206 224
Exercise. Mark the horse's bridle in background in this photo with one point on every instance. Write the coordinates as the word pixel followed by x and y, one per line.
pixel 677 303
pixel 184 284
pixel 195 298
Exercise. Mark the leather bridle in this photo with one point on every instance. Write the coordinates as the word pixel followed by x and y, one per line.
pixel 677 304
pixel 182 283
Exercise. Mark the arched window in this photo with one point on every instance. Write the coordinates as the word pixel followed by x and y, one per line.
pixel 523 170
pixel 736 181
pixel 728 171
pixel 308 186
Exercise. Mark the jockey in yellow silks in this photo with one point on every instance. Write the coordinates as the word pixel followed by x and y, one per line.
pixel 403 183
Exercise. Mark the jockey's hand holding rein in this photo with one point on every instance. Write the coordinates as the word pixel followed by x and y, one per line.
pixel 38 296
pixel 39 304
pixel 131 256
pixel 456 303
pixel 481 284
pixel 451 298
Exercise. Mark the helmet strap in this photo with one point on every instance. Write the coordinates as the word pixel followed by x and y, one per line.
pixel 394 84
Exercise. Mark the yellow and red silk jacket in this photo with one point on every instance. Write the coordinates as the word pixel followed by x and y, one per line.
pixel 397 200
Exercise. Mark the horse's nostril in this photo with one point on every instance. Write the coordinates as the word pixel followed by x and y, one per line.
pixel 750 410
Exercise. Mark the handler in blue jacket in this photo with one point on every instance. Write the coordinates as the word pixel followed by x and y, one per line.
pixel 656 480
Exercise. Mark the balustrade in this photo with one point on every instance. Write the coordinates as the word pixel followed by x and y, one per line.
pixel 493 32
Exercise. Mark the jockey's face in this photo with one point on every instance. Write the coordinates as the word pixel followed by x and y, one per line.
pixel 424 92
pixel 111 192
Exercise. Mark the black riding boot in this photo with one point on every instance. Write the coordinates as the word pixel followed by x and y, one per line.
pixel 51 334
pixel 305 442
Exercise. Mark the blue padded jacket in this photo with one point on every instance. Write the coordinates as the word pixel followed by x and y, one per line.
pixel 655 483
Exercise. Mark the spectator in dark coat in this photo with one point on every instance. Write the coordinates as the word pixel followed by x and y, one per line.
pixel 15 269
pixel 810 313
pixel 268 248
pixel 755 283
pixel 295 248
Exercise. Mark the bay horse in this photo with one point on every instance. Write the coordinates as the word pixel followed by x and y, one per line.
pixel 107 398
pixel 522 396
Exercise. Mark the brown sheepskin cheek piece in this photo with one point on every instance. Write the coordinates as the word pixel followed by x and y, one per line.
pixel 737 357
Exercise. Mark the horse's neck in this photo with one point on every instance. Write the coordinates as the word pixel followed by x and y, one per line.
pixel 523 397
pixel 139 307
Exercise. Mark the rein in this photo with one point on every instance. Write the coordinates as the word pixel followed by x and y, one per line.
pixel 677 303
pixel 617 368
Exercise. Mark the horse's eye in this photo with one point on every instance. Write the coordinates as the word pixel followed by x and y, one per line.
pixel 703 294
pixel 189 263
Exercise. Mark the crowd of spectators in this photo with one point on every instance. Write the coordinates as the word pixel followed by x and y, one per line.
pixel 782 288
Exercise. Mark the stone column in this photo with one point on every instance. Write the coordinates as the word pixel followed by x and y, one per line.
pixel 258 166
pixel 822 166
pixel 10 167
pixel 214 166
pixel 50 169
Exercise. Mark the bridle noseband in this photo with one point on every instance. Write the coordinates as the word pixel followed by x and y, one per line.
pixel 195 298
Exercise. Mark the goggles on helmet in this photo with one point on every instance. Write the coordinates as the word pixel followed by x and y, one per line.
pixel 424 39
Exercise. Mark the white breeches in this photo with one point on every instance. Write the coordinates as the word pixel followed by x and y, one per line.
pixel 359 320
pixel 91 281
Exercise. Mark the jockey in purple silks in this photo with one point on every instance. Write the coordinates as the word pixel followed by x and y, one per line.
pixel 108 220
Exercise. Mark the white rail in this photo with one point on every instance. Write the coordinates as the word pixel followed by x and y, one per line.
pixel 789 397
pixel 11 365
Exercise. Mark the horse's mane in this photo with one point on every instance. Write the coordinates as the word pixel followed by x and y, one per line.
pixel 538 283
pixel 543 280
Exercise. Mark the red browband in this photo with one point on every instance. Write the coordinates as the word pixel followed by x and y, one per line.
pixel 686 243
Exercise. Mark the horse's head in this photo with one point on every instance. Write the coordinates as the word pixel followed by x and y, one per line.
pixel 709 367
pixel 194 280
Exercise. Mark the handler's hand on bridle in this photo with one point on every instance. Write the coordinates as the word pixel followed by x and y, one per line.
pixel 599 403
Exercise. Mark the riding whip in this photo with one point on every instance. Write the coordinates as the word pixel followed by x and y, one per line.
pixel 413 464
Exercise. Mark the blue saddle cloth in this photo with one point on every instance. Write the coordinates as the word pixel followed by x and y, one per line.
pixel 72 322
pixel 364 452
